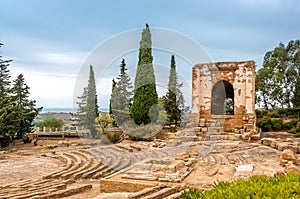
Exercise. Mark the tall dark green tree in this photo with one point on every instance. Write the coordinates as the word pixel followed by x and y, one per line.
pixel 145 94
pixel 113 86
pixel 7 130
pixel 88 104
pixel 174 101
pixel 17 112
pixel 25 109
pixel 276 80
pixel 121 99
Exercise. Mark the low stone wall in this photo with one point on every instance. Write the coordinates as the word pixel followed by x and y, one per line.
pixel 109 186
pixel 281 144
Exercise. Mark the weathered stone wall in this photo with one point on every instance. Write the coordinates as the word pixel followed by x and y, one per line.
pixel 241 75
pixel 110 186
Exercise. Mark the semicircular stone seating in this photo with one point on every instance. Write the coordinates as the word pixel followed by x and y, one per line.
pixel 41 189
pixel 99 162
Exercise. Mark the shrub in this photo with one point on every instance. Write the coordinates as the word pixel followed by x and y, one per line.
pixel 277 124
pixel 265 124
pixel 284 186
pixel 261 113
pixel 114 136
pixel 103 121
pixel 274 114
pixel 291 124
pixel 51 123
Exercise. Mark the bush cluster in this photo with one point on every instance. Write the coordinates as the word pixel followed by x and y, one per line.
pixel 284 186
pixel 272 120
pixel 51 123
pixel 279 113
pixel 293 127
pixel 268 124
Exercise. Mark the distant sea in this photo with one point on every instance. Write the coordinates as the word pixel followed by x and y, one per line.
pixel 66 110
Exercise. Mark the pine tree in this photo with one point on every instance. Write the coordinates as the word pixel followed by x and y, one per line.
pixel 145 94
pixel 24 108
pixel 7 131
pixel 88 105
pixel 174 101
pixel 81 112
pixel 121 99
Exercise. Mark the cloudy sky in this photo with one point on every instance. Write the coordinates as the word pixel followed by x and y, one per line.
pixel 50 41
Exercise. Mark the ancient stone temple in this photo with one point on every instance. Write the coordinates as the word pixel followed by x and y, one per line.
pixel 224 96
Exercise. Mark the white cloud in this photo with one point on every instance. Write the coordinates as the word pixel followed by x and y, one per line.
pixel 61 58
pixel 48 89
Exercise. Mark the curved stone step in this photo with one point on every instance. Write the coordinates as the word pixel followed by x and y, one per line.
pixel 175 195
pixel 242 158
pixel 162 193
pixel 69 164
pixel 36 188
pixel 222 159
pixel 94 170
pixel 85 163
pixel 110 169
pixel 144 192
pixel 66 193
pixel 102 156
pixel 75 165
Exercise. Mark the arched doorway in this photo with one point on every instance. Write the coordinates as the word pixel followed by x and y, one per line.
pixel 222 96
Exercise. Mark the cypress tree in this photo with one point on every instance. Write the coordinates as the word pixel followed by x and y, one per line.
pixel 145 94
pixel 174 102
pixel 111 96
pixel 92 103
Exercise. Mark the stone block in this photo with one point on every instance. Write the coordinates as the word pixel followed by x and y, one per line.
pixel 274 144
pixel 233 137
pixel 292 169
pixel 255 137
pixel 267 141
pixel 281 146
pixel 110 186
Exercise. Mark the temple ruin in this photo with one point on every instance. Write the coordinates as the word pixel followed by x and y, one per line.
pixel 223 95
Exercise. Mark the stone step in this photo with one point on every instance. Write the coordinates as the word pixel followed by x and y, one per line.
pixel 145 192
pixel 69 164
pixel 175 195
pixel 95 169
pixel 65 193
pixel 109 169
pixel 162 193
pixel 76 163
pixel 85 164
pixel 39 187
